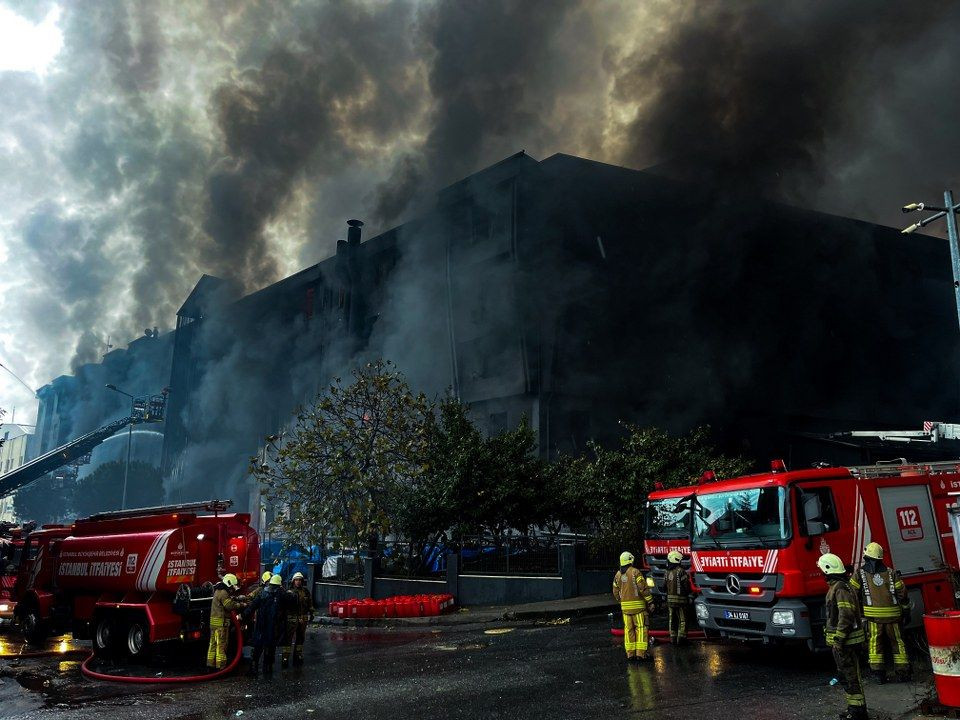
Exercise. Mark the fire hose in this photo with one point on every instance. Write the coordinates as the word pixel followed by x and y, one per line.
pixel 178 679
pixel 692 635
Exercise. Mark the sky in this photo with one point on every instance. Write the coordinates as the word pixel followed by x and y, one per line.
pixel 145 142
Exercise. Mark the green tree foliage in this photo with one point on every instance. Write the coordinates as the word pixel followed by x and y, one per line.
pixel 348 460
pixel 612 488
pixel 473 484
pixel 371 458
pixel 102 490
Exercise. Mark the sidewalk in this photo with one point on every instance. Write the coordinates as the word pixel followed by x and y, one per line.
pixel 583 606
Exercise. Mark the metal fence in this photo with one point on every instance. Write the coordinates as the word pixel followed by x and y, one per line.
pixel 594 555
pixel 399 558
pixel 510 556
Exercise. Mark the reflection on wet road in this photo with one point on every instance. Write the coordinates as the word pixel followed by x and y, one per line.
pixel 575 670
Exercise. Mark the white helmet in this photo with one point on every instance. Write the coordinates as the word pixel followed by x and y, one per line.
pixel 230 580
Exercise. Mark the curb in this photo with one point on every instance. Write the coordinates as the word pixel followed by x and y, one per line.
pixel 460 618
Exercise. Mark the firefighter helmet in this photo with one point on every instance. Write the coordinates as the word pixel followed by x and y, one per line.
pixel 230 580
pixel 276 579
pixel 830 564
pixel 674 557
pixel 297 576
pixel 626 558
pixel 874 550
pixel 265 578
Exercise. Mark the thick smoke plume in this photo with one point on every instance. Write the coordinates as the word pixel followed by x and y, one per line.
pixel 170 139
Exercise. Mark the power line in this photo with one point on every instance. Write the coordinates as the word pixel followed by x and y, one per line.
pixel 19 379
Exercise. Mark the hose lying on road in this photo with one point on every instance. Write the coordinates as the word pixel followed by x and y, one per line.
pixel 174 679
pixel 692 635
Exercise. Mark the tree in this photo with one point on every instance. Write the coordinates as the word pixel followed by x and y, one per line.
pixel 101 490
pixel 347 460
pixel 472 484
pixel 614 486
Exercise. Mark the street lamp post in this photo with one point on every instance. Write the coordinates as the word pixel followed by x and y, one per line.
pixel 949 210
pixel 126 468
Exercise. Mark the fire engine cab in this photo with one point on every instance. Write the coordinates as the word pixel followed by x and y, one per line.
pixel 667 529
pixel 755 541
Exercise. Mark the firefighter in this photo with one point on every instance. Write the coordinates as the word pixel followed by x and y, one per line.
pixel 269 605
pixel 883 597
pixel 678 597
pixel 636 603
pixel 844 633
pixel 221 606
pixel 299 613
pixel 264 580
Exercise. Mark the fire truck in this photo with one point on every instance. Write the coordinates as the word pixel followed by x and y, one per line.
pixel 667 529
pixel 755 541
pixel 11 547
pixel 132 578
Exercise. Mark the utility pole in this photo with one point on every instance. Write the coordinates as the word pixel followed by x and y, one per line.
pixel 949 210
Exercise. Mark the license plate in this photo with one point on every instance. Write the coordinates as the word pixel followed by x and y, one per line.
pixel 736 615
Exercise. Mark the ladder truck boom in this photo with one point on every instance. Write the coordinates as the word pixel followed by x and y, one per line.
pixel 932 432
pixel 145 410
pixel 63 455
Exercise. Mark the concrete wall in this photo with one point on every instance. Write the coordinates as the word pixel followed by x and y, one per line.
pixel 594 582
pixel 325 593
pixel 384 587
pixel 475 589
pixel 507 589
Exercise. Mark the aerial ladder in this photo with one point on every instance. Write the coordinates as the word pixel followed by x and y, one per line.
pixel 145 410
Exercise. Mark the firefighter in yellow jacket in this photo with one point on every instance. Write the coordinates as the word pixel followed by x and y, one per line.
pixel 844 633
pixel 631 591
pixel 677 583
pixel 223 603
pixel 883 597
pixel 299 613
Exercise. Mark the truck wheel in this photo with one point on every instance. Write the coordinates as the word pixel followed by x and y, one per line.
pixel 103 635
pixel 138 639
pixel 34 629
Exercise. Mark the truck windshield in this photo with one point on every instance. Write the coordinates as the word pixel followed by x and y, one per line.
pixel 668 518
pixel 753 516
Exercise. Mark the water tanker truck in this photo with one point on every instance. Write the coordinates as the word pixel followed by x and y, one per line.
pixel 130 579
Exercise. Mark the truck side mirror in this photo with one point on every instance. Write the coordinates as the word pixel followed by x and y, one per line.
pixel 812 513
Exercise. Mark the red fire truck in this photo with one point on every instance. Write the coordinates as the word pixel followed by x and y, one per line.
pixel 11 546
pixel 667 529
pixel 132 578
pixel 756 540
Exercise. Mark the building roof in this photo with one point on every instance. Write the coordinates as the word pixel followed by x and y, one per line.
pixel 16 430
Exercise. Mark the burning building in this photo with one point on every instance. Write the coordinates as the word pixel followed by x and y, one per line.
pixel 577 294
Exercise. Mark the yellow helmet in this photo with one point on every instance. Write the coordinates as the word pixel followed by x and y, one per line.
pixel 265 578
pixel 276 580
pixel 626 558
pixel 230 580
pixel 830 564
pixel 675 557
pixel 874 550
pixel 297 576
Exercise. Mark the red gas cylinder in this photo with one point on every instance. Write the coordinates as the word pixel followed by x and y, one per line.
pixel 943 636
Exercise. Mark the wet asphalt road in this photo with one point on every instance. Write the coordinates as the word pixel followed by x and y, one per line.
pixel 533 671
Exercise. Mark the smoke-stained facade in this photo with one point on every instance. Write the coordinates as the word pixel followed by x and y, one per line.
pixel 578 294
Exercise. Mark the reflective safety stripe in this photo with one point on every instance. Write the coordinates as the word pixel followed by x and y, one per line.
pixel 857 636
pixel 218 622
pixel 882 612
pixel 633 605
pixel 845 604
